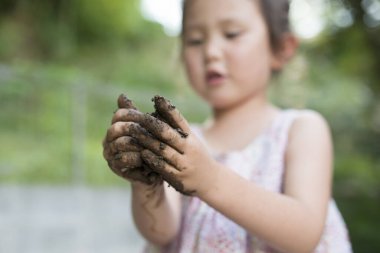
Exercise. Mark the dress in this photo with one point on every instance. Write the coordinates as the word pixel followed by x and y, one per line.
pixel 204 230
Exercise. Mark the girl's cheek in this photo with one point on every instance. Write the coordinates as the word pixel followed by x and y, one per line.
pixel 193 68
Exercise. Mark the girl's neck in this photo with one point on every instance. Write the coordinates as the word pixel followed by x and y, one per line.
pixel 244 112
pixel 234 128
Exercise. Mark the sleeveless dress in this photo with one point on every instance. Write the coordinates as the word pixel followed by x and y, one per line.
pixel 205 230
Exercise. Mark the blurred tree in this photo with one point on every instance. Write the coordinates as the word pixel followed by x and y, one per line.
pixel 105 18
pixel 58 27
pixel 351 44
pixel 363 51
pixel 361 38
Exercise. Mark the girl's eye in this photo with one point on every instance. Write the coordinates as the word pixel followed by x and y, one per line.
pixel 232 35
pixel 194 42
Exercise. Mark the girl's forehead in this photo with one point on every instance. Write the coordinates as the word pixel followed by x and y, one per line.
pixel 199 11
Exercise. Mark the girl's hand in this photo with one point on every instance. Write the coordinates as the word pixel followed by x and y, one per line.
pixel 173 152
pixel 123 153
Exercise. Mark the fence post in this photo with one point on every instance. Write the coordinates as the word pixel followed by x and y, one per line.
pixel 78 100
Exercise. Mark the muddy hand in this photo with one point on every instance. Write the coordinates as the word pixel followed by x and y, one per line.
pixel 165 125
pixel 162 134
pixel 123 153
pixel 165 152
pixel 176 153
pixel 154 153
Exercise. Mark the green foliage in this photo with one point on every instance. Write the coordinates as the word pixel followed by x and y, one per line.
pixel 361 214
pixel 107 18
pixel 59 29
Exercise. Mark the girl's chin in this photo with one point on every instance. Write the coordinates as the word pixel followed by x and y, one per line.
pixel 218 99
pixel 219 104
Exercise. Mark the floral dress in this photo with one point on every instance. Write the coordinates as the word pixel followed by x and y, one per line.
pixel 204 230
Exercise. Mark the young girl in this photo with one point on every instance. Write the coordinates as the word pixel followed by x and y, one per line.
pixel 256 178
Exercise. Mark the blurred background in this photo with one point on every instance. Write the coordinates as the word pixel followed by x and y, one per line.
pixel 63 64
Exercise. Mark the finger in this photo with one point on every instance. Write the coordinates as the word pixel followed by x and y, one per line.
pixel 129 166
pixel 127 160
pixel 170 155
pixel 152 178
pixel 142 136
pixel 119 129
pixel 171 115
pixel 124 102
pixel 123 144
pixel 163 132
pixel 161 149
pixel 128 115
pixel 168 172
pixel 139 174
pixel 156 127
pixel 134 175
pixel 157 163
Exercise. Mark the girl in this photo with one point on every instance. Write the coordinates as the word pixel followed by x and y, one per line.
pixel 259 176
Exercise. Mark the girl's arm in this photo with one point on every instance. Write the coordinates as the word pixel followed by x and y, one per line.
pixel 156 209
pixel 156 212
pixel 292 221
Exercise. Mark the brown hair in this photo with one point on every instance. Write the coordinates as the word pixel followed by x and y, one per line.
pixel 276 15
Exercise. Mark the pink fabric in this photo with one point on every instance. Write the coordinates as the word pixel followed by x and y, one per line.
pixel 203 229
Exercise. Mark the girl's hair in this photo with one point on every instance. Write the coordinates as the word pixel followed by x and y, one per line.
pixel 276 15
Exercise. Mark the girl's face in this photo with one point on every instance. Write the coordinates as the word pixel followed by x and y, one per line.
pixel 226 50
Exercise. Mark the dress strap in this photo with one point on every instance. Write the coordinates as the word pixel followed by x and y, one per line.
pixel 281 128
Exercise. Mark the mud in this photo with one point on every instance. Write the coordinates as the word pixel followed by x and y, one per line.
pixel 159 165
pixel 145 139
pixel 123 144
pixel 124 102
pixel 126 155
pixel 127 160
pixel 166 111
pixel 123 153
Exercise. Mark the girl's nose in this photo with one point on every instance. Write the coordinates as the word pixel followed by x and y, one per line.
pixel 212 51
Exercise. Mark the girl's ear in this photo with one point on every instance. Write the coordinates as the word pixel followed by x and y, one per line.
pixel 284 52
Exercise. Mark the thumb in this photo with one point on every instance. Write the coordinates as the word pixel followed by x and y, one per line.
pixel 124 102
pixel 171 115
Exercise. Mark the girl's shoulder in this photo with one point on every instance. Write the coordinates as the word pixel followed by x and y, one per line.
pixel 297 126
pixel 306 119
pixel 302 113
pixel 310 132
pixel 292 120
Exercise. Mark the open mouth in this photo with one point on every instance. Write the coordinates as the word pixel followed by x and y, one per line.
pixel 214 78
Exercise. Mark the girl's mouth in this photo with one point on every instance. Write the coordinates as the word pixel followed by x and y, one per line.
pixel 214 78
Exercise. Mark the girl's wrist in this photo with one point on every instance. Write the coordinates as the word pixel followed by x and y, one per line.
pixel 142 187
pixel 148 194
pixel 211 186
